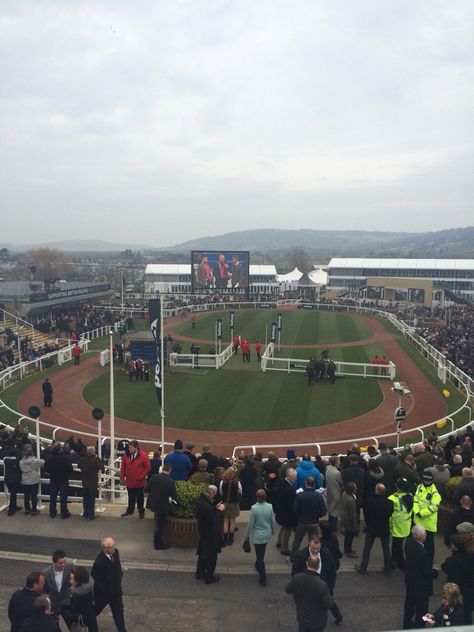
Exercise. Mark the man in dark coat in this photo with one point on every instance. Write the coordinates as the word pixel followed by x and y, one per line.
pixel 466 486
pixel 59 468
pixel 107 574
pixel 464 512
pixel 162 490
pixel 308 507
pixel 209 535
pixel 418 579
pixel 312 598
pixel 42 619
pixel 283 500
pixel 407 469
pixel 378 510
pixel 47 393
pixel 21 602
pixel 328 570
pixel 212 460
pixel 387 462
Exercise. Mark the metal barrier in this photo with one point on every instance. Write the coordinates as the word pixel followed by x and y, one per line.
pixel 201 360
pixel 298 365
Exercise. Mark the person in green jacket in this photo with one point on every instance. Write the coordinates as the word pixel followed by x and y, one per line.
pixel 400 520
pixel 425 510
pixel 261 527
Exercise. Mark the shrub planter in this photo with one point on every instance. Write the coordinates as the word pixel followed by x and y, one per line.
pixel 181 528
pixel 181 532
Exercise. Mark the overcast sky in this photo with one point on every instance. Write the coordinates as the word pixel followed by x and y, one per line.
pixel 156 122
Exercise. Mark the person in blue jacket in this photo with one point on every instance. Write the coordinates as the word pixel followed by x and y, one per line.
pixel 307 468
pixel 261 526
pixel 180 463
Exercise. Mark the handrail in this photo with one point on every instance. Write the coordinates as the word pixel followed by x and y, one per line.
pixel 17 318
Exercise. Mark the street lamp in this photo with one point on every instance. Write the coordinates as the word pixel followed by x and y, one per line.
pixel 34 413
pixel 98 415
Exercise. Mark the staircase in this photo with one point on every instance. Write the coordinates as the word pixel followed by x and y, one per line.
pixel 25 329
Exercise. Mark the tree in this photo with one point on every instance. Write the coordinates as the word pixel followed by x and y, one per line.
pixel 299 258
pixel 47 263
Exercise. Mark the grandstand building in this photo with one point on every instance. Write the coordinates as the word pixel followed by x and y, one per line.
pixel 175 278
pixel 413 280
pixel 34 298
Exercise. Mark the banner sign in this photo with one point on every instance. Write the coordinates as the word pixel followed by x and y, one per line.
pixel 219 328
pixel 273 332
pixel 279 321
pixel 232 319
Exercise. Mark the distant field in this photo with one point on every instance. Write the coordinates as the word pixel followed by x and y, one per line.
pixel 299 327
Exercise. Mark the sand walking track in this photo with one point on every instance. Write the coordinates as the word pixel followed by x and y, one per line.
pixel 70 411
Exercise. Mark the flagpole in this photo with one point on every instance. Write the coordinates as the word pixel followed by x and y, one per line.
pixel 122 292
pixel 162 353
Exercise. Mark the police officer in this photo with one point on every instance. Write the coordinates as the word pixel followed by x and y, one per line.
pixel 400 520
pixel 425 510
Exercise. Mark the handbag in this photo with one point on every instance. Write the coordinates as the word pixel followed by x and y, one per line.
pixel 246 545
pixel 79 626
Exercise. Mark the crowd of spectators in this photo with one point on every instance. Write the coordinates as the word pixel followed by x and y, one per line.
pixel 76 320
pixel 306 495
pixel 454 338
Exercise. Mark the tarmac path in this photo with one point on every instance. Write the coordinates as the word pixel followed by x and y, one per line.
pixel 70 411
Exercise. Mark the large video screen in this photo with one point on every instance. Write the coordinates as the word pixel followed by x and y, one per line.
pixel 220 270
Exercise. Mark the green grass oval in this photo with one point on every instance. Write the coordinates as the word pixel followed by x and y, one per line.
pixel 237 398
pixel 300 327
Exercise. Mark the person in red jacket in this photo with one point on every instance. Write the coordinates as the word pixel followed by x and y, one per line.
pixel 258 350
pixel 133 472
pixel 76 354
pixel 383 365
pixel 375 364
pixel 236 343
pixel 245 346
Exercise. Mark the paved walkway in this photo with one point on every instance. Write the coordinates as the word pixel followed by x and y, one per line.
pixel 34 537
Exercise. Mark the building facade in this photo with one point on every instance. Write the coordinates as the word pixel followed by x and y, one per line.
pixel 451 278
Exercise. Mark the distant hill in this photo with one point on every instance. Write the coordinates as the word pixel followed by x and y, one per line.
pixel 272 244
pixel 453 243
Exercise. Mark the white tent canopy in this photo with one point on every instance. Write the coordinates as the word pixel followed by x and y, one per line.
pixel 294 275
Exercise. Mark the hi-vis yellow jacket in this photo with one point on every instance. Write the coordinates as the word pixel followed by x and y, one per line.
pixel 425 506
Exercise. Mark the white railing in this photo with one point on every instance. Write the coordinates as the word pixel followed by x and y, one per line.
pixel 201 360
pixel 267 355
pixel 223 357
pixel 357 369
